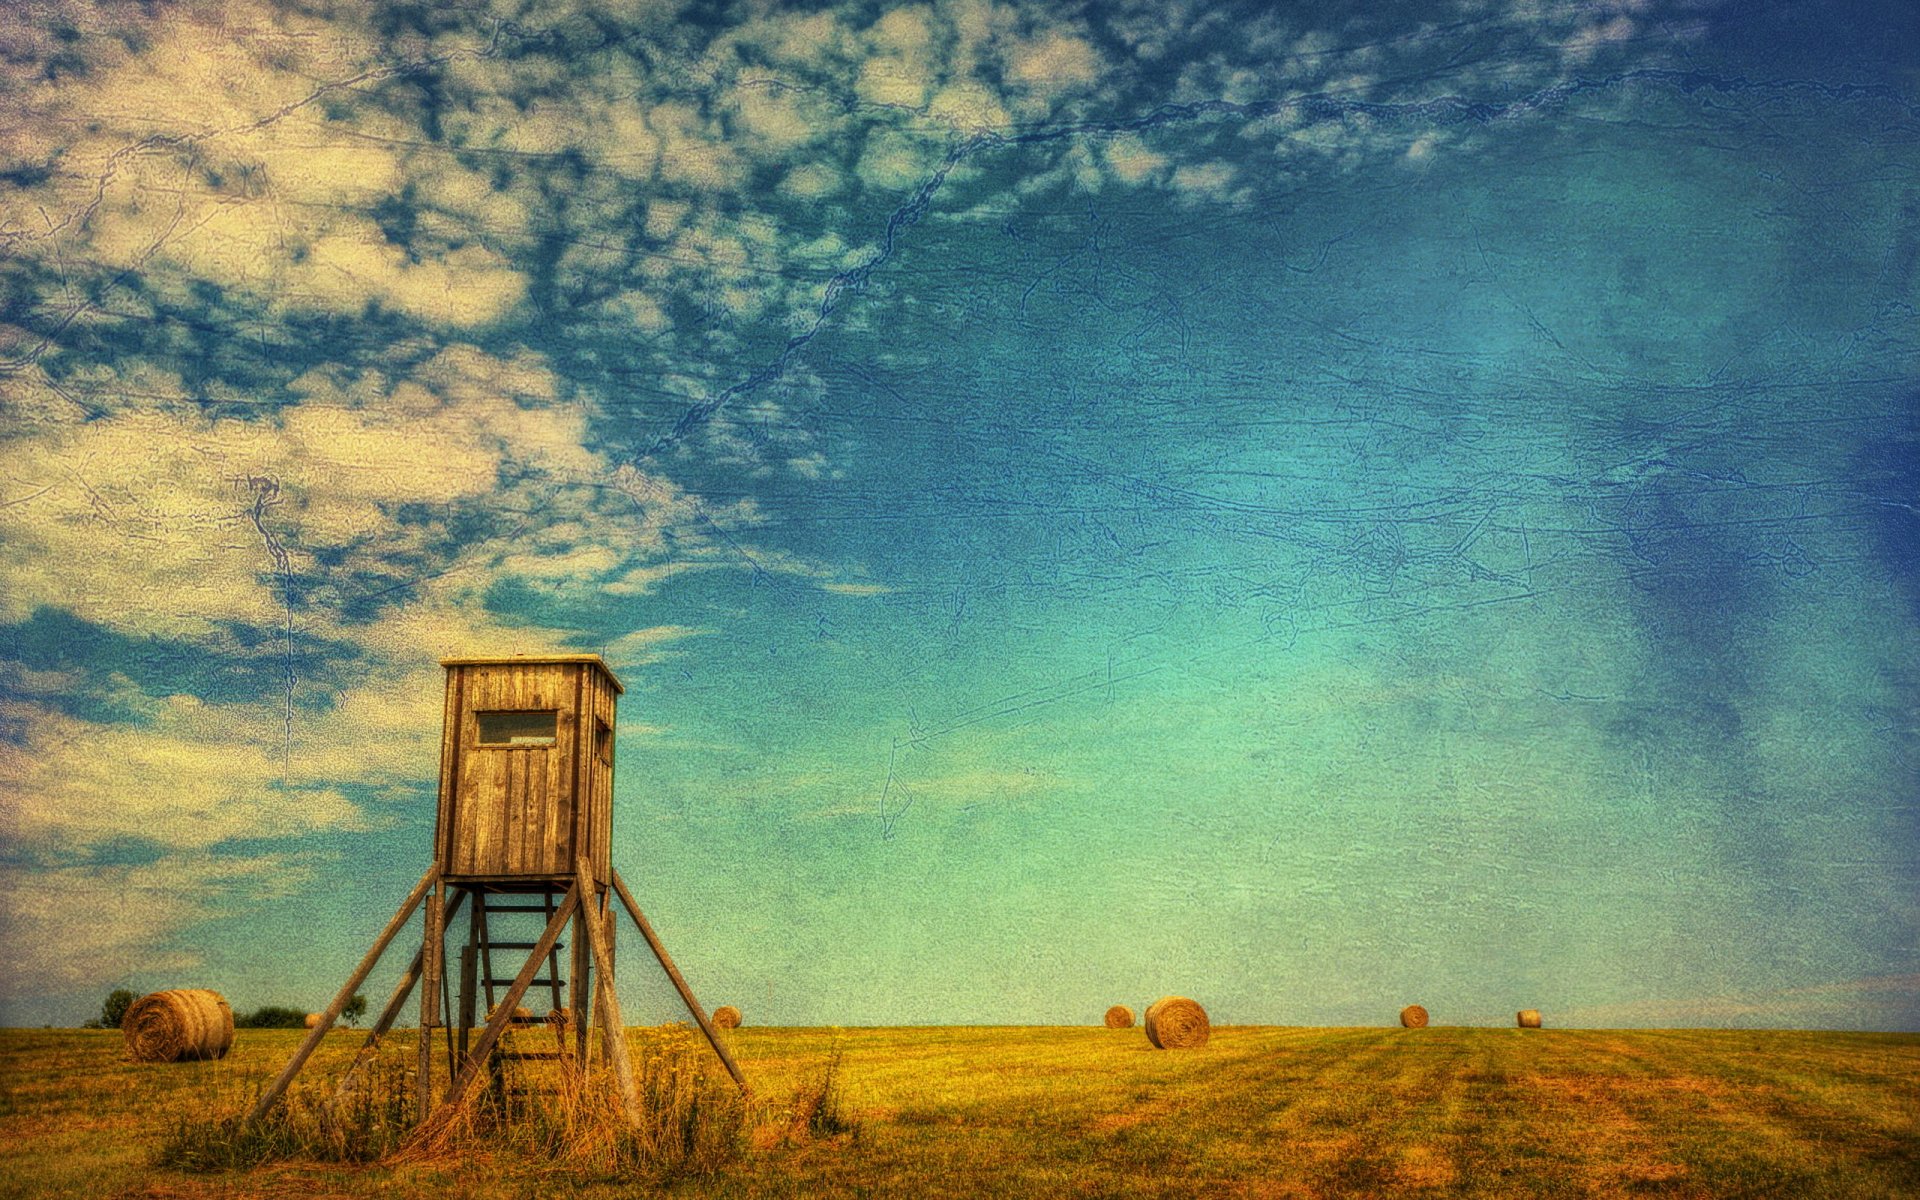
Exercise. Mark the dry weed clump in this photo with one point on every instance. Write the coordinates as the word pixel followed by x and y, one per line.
pixel 549 1116
pixel 369 1121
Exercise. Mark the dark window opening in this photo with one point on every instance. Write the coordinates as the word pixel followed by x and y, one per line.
pixel 602 743
pixel 539 727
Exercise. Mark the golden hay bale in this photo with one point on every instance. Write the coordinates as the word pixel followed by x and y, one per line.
pixel 520 1012
pixel 1177 1023
pixel 1529 1018
pixel 726 1017
pixel 1119 1017
pixel 1413 1017
pixel 181 1025
pixel 313 1019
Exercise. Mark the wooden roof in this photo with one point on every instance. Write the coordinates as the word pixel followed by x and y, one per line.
pixel 539 660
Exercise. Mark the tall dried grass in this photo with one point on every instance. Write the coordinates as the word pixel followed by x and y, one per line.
pixel 693 1120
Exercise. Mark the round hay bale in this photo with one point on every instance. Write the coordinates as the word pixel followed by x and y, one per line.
pixel 313 1019
pixel 726 1017
pixel 1177 1023
pixel 180 1025
pixel 1529 1018
pixel 1413 1017
pixel 558 1016
pixel 520 1012
pixel 1119 1017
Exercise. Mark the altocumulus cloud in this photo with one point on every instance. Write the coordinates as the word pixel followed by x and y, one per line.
pixel 340 337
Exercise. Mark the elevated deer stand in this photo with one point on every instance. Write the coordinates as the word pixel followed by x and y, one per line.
pixel 525 824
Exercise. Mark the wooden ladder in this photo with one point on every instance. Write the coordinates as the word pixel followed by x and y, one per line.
pixel 477 976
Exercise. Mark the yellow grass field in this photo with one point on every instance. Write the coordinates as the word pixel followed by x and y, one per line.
pixel 1090 1112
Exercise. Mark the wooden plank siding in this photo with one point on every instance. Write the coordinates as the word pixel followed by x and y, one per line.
pixel 525 812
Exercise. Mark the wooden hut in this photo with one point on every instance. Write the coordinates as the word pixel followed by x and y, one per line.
pixel 526 771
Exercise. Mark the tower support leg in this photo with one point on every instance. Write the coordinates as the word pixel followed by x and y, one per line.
pixel 391 1012
pixel 680 984
pixel 502 1015
pixel 606 999
pixel 578 1007
pixel 433 956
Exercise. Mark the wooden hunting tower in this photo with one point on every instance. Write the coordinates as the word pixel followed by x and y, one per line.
pixel 524 830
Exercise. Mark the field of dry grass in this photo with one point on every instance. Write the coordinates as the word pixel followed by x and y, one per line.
pixel 1269 1112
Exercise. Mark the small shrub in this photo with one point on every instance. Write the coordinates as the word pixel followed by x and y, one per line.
pixel 272 1016
pixel 115 1007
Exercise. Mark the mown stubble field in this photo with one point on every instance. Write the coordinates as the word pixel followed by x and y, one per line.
pixel 1259 1112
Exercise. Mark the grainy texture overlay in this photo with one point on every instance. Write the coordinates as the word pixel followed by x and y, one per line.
pixel 1301 506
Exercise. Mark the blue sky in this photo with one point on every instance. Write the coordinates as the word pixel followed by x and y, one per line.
pixel 1314 508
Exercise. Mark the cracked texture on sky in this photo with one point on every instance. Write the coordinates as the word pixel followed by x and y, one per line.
pixel 1314 507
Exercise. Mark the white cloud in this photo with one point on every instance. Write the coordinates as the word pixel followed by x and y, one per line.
pixel 75 928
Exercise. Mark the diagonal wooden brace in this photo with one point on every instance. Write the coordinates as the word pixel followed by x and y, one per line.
pixel 279 1086
pixel 391 1012
pixel 680 984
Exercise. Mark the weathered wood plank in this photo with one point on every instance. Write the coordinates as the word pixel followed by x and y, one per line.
pixel 578 1008
pixel 449 740
pixel 679 983
pixel 433 958
pixel 279 1085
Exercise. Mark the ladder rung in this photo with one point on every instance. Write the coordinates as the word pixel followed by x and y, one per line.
pixel 538 983
pixel 518 908
pixel 525 1055
pixel 521 945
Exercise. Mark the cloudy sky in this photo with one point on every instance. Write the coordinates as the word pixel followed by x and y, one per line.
pixel 1314 507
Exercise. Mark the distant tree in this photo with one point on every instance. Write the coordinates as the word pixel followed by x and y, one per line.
pixel 115 1009
pixel 273 1016
pixel 355 1009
